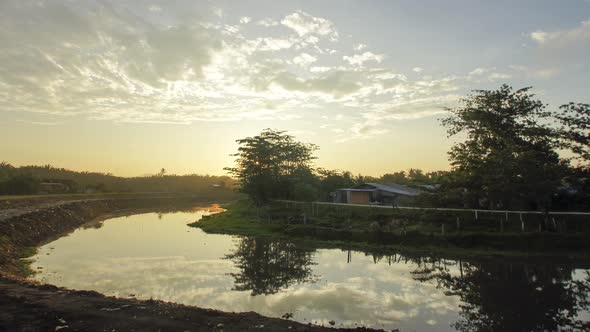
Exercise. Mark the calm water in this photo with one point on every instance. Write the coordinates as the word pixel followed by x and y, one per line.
pixel 158 256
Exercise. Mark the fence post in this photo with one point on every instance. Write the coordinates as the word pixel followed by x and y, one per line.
pixel 501 225
pixel 475 215
pixel 458 224
pixel 442 229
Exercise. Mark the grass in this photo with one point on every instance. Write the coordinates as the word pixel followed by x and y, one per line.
pixel 362 228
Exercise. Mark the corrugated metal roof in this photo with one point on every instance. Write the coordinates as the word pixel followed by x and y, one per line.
pixel 396 188
pixel 357 189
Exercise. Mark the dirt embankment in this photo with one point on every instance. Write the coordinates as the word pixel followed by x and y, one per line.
pixel 25 224
pixel 26 306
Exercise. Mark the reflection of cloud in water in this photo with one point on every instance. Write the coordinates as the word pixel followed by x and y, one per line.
pixel 189 268
pixel 207 284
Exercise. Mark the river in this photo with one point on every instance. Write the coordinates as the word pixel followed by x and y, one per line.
pixel 158 256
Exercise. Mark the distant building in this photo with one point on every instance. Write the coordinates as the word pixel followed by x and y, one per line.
pixel 377 193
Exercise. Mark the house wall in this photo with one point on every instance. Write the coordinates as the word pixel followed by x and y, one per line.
pixel 360 197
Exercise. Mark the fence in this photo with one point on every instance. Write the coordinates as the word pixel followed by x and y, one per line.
pixel 505 216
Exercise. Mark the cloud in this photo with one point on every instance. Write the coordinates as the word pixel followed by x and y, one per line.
pixel 304 59
pixel 155 8
pixel 561 38
pixel 563 48
pixel 499 76
pixel 267 22
pixel 536 72
pixel 360 59
pixel 103 62
pixel 417 69
pixel 305 24
pixel 490 74
pixel 336 83
pixel 539 36
pixel 360 47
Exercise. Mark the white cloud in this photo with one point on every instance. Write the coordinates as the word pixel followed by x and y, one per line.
pixel 304 24
pixel 560 38
pixel 245 20
pixel 360 47
pixel 539 36
pixel 267 22
pixel 304 59
pixel 360 59
pixel 218 12
pixel 155 8
pixel 499 76
pixel 110 64
pixel 417 69
pixel 479 71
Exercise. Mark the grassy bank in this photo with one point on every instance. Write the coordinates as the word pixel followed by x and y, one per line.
pixel 364 227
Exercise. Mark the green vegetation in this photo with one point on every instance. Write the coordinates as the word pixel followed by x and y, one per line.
pixel 26 180
pixel 508 160
pixel 273 165
pixel 361 227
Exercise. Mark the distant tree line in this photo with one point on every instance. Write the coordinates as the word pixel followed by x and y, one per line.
pixel 513 153
pixel 28 180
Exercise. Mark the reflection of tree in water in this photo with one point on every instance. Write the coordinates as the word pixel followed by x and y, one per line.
pixel 267 266
pixel 515 297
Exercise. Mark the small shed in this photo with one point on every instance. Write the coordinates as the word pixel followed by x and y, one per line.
pixel 377 193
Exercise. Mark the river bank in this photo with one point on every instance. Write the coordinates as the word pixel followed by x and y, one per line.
pixel 367 228
pixel 27 223
pixel 30 307
pixel 30 222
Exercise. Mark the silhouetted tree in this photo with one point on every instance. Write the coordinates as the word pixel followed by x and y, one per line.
pixel 575 130
pixel 516 297
pixel 267 265
pixel 273 165
pixel 508 157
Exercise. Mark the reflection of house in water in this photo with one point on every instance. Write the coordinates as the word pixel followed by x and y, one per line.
pixel 377 193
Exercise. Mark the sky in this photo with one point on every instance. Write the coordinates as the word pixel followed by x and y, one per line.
pixel 130 87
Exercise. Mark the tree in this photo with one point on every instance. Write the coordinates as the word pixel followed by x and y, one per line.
pixel 273 165
pixel 575 130
pixel 266 266
pixel 498 296
pixel 508 158
pixel 331 180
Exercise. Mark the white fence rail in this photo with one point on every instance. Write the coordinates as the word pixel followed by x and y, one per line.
pixel 475 211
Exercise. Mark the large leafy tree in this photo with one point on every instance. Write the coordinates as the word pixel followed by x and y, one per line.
pixel 274 165
pixel 575 137
pixel 575 130
pixel 507 158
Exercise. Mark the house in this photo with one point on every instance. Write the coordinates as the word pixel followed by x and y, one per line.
pixel 377 193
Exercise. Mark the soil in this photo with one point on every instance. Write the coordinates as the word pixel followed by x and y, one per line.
pixel 28 306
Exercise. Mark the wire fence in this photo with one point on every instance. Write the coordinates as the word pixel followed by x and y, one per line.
pixel 465 219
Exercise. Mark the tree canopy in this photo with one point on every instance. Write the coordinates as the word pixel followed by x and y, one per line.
pixel 274 165
pixel 508 157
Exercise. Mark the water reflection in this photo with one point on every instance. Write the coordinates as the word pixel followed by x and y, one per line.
pixel 157 256
pixel 518 297
pixel 267 266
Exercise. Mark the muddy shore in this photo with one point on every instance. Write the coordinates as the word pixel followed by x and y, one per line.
pixel 27 306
